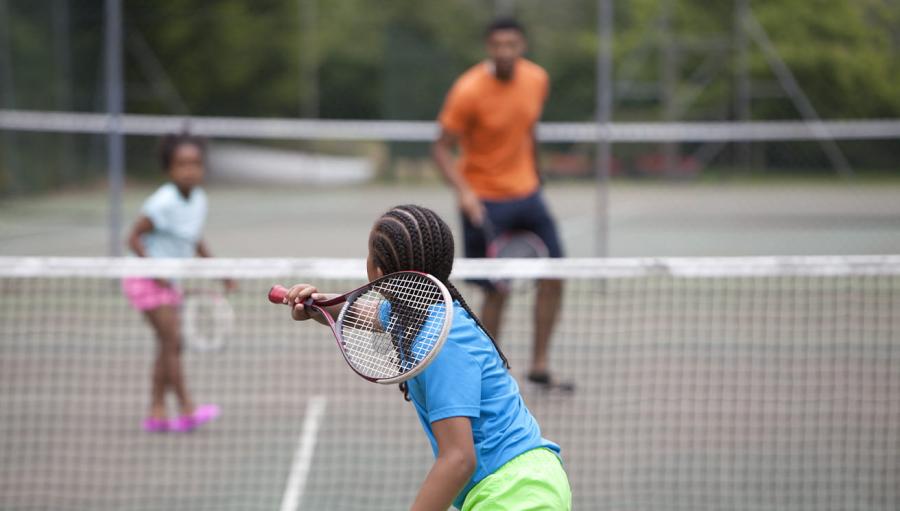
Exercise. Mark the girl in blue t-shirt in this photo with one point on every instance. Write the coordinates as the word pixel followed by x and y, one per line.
pixel 489 453
pixel 171 225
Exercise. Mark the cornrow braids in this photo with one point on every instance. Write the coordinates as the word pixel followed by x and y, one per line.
pixel 415 238
pixel 440 248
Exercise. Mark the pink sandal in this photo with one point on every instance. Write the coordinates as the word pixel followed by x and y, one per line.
pixel 154 425
pixel 202 414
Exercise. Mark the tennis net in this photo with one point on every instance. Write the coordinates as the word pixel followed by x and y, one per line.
pixel 702 384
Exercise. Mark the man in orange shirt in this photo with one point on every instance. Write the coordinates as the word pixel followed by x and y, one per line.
pixel 491 112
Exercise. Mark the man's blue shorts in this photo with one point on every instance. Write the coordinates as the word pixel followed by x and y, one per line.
pixel 527 214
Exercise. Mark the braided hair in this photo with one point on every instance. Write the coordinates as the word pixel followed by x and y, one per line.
pixel 415 238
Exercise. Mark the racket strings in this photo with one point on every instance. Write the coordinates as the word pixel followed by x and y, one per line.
pixel 389 329
pixel 411 301
pixel 207 319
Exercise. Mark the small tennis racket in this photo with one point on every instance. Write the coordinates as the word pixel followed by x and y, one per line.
pixel 390 329
pixel 512 244
pixel 207 319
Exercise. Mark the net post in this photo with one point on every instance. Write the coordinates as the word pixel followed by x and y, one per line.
pixel 309 59
pixel 742 99
pixel 114 99
pixel 604 114
pixel 8 100
pixel 669 74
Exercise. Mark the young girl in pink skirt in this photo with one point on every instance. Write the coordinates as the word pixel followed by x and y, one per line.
pixel 171 225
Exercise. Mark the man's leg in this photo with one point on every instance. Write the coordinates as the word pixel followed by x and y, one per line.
pixel 492 311
pixel 475 246
pixel 537 218
pixel 546 310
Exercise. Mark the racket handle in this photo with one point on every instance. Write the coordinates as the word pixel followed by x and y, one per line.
pixel 277 294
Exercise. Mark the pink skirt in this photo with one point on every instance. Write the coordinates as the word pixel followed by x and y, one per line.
pixel 146 294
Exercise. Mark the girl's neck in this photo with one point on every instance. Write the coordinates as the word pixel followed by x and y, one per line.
pixel 184 191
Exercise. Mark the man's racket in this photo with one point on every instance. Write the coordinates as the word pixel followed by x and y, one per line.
pixel 517 244
pixel 512 244
pixel 390 329
pixel 207 319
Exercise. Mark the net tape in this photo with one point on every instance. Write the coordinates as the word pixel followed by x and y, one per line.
pixel 420 131
pixel 611 268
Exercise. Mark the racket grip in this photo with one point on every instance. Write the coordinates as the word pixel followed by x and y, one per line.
pixel 277 294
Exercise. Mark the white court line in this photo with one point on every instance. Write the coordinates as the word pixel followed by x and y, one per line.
pixel 293 492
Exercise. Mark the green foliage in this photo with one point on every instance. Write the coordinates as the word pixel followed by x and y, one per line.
pixel 844 53
pixel 397 58
pixel 231 57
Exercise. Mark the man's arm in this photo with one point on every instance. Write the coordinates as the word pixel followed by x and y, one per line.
pixel 535 154
pixel 442 152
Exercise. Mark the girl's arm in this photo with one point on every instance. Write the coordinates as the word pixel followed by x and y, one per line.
pixel 203 251
pixel 453 467
pixel 141 226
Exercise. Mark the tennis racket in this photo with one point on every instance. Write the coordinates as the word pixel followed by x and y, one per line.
pixel 207 319
pixel 390 329
pixel 512 244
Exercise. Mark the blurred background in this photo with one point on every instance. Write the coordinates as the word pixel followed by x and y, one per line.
pixel 692 189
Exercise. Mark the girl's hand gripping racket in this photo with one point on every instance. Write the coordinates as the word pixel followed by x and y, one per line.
pixel 390 329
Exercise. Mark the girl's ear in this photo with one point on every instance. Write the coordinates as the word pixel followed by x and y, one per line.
pixel 379 272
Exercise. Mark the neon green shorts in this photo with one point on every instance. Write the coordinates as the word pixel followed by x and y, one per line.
pixel 532 481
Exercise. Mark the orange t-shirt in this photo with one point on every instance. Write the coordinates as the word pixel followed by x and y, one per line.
pixel 494 120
